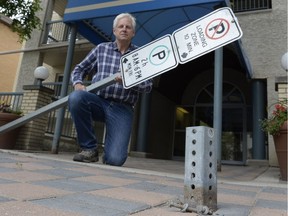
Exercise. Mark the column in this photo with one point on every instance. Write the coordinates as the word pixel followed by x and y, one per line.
pixel 32 134
pixel 258 143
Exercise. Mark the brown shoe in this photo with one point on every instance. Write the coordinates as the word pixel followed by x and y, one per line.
pixel 86 156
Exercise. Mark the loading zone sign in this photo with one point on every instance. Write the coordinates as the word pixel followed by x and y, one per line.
pixel 202 36
pixel 206 34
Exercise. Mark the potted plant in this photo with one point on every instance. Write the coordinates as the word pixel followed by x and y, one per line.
pixel 7 114
pixel 276 125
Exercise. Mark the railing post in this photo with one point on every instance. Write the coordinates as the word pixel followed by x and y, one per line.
pixel 32 133
pixel 64 90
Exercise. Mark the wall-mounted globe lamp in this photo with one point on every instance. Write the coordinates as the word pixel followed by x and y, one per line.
pixel 284 61
pixel 41 73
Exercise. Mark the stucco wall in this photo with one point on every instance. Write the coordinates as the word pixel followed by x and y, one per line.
pixel 31 60
pixel 265 38
pixel 265 41
pixel 8 63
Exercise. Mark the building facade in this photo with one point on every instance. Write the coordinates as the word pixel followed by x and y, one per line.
pixel 179 101
pixel 9 62
pixel 265 49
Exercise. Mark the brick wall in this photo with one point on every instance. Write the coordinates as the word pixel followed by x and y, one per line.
pixel 32 134
pixel 281 86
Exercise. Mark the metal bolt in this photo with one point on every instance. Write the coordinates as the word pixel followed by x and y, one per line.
pixel 185 208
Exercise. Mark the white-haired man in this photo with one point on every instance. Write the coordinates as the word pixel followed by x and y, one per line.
pixel 113 104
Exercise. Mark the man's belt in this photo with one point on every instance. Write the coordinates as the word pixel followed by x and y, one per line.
pixel 119 101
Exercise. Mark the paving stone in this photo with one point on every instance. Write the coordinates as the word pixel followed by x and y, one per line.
pixel 27 176
pixel 91 205
pixel 45 184
pixel 24 191
pixel 29 209
pixel 225 209
pixel 5 199
pixel 237 192
pixel 161 188
pixel 275 190
pixel 107 180
pixel 5 181
pixel 271 204
pixel 63 172
pixel 72 185
pixel 258 211
pixel 122 193
pixel 4 169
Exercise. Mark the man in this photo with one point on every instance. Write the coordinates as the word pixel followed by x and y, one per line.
pixel 112 105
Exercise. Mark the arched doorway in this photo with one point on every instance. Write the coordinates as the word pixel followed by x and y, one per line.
pixel 181 95
pixel 196 109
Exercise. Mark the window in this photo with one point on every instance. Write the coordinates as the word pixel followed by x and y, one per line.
pixel 250 5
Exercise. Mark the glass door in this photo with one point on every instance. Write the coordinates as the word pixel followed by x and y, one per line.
pixel 234 138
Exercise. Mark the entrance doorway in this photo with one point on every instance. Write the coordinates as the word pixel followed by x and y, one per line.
pixel 236 135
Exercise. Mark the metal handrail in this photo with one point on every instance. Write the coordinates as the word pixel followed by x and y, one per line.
pixel 55 105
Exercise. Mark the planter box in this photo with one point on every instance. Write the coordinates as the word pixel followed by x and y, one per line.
pixel 8 139
pixel 280 142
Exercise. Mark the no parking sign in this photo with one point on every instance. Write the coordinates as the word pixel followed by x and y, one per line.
pixel 206 34
pixel 187 43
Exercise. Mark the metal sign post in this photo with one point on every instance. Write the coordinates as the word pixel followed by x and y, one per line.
pixel 198 38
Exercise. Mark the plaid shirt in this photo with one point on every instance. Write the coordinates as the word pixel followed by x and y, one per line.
pixel 104 61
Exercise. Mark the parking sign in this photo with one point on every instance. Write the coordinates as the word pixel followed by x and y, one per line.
pixel 187 43
pixel 206 34
pixel 148 61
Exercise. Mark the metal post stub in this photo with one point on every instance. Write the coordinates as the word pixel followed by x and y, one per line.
pixel 200 183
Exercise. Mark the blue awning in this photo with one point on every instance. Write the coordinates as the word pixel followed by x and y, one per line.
pixel 155 18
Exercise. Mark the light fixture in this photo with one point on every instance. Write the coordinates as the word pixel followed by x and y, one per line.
pixel 182 110
pixel 284 61
pixel 41 73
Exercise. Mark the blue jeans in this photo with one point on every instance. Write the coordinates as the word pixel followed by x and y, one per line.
pixel 86 107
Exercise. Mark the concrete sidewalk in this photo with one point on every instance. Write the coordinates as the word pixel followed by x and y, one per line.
pixel 46 184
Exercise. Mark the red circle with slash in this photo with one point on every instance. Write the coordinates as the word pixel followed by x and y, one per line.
pixel 217 28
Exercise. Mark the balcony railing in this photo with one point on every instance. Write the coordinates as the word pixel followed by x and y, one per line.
pixel 57 31
pixel 250 5
pixel 13 99
pixel 68 129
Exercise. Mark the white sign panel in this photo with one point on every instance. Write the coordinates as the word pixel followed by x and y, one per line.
pixel 187 43
pixel 148 61
pixel 206 34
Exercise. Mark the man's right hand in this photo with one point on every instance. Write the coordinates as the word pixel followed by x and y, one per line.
pixel 79 86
